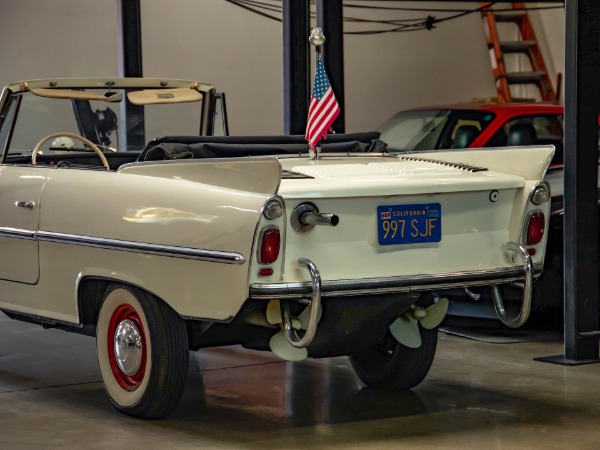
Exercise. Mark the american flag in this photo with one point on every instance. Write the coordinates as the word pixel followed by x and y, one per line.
pixel 323 109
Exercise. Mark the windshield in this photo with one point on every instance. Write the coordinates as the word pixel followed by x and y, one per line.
pixel 434 129
pixel 99 121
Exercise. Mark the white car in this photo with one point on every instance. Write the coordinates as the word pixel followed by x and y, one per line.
pixel 161 246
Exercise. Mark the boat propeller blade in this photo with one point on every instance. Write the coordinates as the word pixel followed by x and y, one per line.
pixel 274 316
pixel 305 315
pixel 435 314
pixel 281 347
pixel 406 331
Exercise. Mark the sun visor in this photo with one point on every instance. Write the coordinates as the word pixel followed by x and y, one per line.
pixel 157 96
pixel 68 94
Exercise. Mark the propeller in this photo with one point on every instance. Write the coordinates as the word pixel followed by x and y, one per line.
pixel 435 314
pixel 405 328
pixel 274 316
pixel 304 316
pixel 279 343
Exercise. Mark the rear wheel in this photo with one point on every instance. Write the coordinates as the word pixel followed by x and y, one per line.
pixel 142 352
pixel 387 364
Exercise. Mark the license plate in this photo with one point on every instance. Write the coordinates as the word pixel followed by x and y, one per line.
pixel 409 224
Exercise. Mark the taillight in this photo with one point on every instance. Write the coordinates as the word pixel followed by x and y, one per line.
pixel 270 241
pixel 535 228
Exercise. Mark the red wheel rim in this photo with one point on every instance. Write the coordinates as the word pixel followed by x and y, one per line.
pixel 122 313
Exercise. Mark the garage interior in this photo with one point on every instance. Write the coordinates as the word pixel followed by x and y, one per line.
pixel 486 388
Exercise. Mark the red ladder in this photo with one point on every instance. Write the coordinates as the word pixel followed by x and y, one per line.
pixel 526 45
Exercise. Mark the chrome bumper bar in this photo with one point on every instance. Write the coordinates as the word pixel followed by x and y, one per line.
pixel 315 289
pixel 392 285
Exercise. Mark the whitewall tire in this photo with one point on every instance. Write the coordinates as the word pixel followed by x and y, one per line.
pixel 142 351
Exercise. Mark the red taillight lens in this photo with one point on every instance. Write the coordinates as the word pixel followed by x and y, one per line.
pixel 535 228
pixel 269 245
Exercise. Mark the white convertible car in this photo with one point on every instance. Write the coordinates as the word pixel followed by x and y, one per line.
pixel 121 219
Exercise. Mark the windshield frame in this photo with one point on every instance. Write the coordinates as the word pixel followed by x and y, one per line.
pixel 15 92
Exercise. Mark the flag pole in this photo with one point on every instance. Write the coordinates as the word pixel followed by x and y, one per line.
pixel 323 108
pixel 317 38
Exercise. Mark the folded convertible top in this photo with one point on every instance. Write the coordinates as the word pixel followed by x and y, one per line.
pixel 183 147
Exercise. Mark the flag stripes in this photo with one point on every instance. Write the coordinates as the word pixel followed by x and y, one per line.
pixel 323 109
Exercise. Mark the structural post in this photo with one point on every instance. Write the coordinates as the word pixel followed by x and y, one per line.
pixel 330 19
pixel 130 65
pixel 582 106
pixel 296 56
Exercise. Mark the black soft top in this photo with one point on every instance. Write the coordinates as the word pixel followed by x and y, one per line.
pixel 183 147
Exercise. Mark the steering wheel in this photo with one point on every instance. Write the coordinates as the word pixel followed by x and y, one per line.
pixel 87 142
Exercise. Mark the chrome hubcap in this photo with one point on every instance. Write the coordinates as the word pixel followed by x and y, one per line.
pixel 128 347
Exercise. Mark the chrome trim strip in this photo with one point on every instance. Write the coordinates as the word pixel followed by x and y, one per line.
pixel 391 285
pixel 141 247
pixel 17 233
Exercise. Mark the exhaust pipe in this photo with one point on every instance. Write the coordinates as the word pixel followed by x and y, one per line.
pixel 306 216
pixel 317 218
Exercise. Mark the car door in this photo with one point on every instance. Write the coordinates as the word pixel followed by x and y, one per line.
pixel 20 192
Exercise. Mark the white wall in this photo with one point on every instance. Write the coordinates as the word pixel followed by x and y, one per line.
pixel 241 54
pixel 57 38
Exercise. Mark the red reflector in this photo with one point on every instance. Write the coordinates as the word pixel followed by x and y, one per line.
pixel 531 251
pixel 535 228
pixel 269 245
pixel 265 272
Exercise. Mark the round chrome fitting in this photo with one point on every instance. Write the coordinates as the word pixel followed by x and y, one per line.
pixel 128 347
pixel 273 209
pixel 299 211
pixel 306 215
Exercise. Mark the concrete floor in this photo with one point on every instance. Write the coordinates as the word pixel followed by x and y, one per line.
pixel 477 395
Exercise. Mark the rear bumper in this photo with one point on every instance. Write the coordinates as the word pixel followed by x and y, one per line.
pixel 391 285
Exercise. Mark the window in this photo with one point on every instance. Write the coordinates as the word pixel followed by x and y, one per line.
pixel 433 129
pixel 532 130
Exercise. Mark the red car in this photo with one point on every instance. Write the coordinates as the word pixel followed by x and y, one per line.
pixel 476 125
pixel 493 125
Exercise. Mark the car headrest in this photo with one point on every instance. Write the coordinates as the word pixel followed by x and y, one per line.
pixel 464 135
pixel 521 134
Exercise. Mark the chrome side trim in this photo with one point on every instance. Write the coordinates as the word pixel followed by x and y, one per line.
pixel 391 285
pixel 315 306
pixel 141 247
pixel 17 233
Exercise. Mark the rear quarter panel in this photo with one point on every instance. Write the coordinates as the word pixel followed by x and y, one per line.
pixel 166 205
